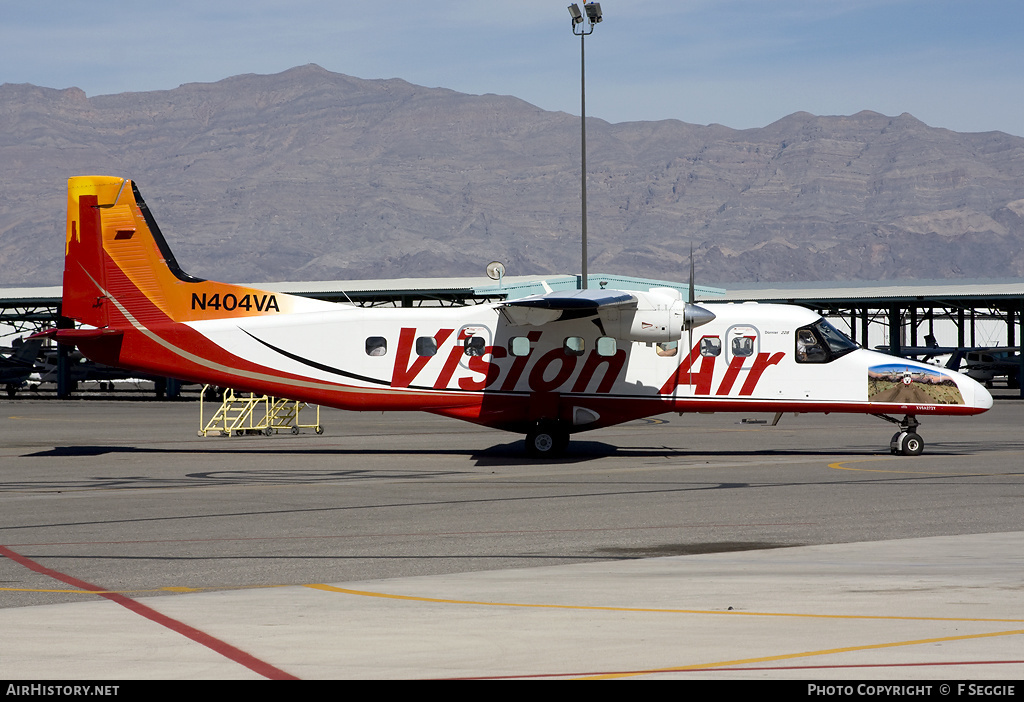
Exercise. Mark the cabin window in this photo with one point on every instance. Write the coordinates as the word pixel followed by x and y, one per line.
pixel 426 346
pixel 710 346
pixel 573 346
pixel 606 346
pixel 667 348
pixel 519 346
pixel 376 346
pixel 475 345
pixel 743 346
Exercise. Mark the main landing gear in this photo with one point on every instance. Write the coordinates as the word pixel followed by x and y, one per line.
pixel 547 439
pixel 905 442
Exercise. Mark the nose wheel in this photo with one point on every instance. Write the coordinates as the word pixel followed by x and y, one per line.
pixel 905 442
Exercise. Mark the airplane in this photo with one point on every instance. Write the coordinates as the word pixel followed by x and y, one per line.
pixel 547 366
pixel 986 364
pixel 16 368
pixel 81 369
pixel 930 353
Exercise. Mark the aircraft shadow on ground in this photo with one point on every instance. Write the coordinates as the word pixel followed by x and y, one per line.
pixel 509 454
pixel 513 453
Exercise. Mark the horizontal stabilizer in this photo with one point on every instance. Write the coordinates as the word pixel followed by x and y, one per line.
pixel 74 336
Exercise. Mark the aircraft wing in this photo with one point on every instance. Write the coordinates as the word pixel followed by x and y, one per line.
pixel 915 351
pixel 564 304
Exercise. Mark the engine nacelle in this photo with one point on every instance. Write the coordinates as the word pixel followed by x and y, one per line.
pixel 652 326
pixel 660 317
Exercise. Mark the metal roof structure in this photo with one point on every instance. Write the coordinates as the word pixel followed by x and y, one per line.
pixel 811 294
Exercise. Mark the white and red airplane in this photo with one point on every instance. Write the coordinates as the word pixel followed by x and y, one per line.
pixel 546 366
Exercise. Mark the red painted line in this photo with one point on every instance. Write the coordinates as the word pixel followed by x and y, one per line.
pixel 225 649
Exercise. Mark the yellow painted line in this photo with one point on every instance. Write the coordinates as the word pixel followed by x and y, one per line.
pixel 806 654
pixel 841 465
pixel 596 608
pixel 715 664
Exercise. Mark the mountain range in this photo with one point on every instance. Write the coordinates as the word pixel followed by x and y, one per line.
pixel 314 175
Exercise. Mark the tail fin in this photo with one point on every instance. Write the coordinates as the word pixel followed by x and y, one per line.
pixel 26 353
pixel 119 270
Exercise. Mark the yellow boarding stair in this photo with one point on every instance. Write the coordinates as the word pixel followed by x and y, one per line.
pixel 248 413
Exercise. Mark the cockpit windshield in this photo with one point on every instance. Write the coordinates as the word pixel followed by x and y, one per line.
pixel 821 343
pixel 838 342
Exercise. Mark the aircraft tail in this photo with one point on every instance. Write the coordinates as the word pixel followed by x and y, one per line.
pixel 119 271
pixel 26 353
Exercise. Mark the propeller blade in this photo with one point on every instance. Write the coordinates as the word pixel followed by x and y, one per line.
pixel 692 291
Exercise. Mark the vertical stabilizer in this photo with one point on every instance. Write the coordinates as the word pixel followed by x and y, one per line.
pixel 84 269
pixel 119 271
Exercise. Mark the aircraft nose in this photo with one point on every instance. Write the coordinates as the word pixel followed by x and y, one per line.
pixel 975 394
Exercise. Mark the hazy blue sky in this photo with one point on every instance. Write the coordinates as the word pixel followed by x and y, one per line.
pixel 742 63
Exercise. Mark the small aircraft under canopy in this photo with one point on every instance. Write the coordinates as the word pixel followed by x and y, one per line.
pixel 16 368
pixel 983 363
pixel 547 366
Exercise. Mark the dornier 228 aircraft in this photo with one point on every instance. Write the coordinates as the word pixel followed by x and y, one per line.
pixel 546 366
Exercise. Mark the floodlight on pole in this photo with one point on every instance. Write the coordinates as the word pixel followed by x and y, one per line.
pixel 593 16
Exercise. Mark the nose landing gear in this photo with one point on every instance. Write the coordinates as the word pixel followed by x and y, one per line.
pixel 905 442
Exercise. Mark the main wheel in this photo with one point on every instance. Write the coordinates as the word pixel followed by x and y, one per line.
pixel 546 440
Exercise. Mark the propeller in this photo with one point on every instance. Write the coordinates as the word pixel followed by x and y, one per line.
pixel 693 315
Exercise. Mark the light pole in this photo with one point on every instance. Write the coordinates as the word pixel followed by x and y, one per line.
pixel 593 16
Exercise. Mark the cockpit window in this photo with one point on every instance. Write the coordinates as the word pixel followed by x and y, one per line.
pixel 821 343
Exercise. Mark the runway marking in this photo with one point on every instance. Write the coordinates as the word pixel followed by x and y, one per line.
pixel 805 654
pixel 840 465
pixel 225 649
pixel 715 664
pixel 661 610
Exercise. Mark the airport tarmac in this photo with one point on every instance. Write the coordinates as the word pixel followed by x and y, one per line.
pixel 409 546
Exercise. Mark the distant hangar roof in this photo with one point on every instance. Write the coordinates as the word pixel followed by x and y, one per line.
pixel 954 293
